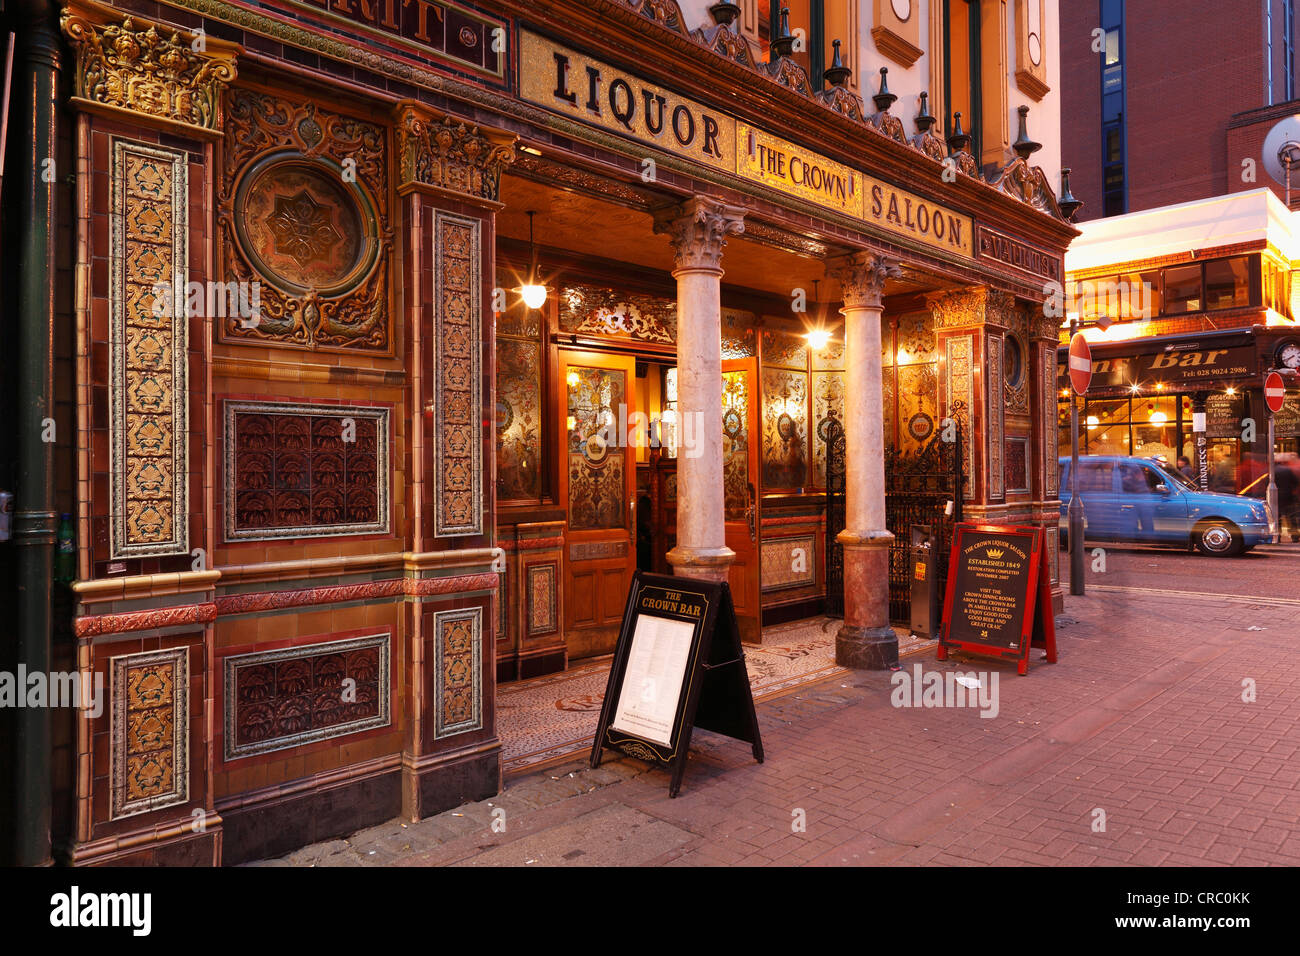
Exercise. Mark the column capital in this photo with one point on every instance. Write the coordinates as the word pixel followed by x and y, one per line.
pixel 129 65
pixel 862 277
pixel 698 230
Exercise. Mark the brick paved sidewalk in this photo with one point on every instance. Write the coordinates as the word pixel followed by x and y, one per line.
pixel 1142 719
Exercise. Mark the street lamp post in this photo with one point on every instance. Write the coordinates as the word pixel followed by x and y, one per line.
pixel 1074 513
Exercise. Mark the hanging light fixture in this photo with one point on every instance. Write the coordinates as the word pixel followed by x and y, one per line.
pixel 532 292
pixel 820 336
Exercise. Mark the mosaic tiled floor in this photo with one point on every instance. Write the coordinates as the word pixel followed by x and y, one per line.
pixel 549 718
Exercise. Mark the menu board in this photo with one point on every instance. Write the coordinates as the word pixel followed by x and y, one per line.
pixel 1286 423
pixel 999 596
pixel 1223 415
pixel 655 677
pixel 678 665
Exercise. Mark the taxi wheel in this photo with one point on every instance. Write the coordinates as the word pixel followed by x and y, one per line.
pixel 1218 538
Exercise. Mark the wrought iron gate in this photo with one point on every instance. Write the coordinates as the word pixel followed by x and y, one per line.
pixel 831 431
pixel 918 487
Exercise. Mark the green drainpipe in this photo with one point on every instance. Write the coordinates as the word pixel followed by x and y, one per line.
pixel 36 76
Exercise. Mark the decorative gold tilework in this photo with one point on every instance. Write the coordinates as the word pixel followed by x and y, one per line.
pixel 148 251
pixel 789 563
pixel 457 377
pixel 995 450
pixel 542 617
pixel 458 671
pixel 134 67
pixel 961 393
pixel 149 756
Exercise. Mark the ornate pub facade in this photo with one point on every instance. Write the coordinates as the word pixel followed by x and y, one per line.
pixel 390 338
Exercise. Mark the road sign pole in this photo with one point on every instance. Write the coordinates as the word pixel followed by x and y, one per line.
pixel 1274 399
pixel 1274 519
pixel 1074 513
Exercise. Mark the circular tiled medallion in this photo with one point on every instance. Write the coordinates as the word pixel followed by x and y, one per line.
pixel 302 226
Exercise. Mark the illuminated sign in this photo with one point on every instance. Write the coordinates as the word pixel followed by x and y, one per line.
pixel 597 94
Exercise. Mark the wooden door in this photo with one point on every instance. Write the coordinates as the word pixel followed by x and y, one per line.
pixel 740 441
pixel 596 400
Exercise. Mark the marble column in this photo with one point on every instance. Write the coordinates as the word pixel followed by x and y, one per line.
pixel 865 640
pixel 698 229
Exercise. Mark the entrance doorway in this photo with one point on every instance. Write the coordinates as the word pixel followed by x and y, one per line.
pixel 740 441
pixel 597 482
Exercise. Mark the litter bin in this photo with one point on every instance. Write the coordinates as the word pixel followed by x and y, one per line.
pixel 925 591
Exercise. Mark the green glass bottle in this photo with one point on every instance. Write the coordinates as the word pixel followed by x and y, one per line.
pixel 65 558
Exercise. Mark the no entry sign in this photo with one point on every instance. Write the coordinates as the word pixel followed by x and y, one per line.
pixel 1274 392
pixel 1080 363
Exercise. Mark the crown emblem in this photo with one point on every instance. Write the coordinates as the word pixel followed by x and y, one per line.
pixel 996 553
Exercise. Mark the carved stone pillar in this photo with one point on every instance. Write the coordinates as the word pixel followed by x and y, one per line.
pixel 866 639
pixel 699 229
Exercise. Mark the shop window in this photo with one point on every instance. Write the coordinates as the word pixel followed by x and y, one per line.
pixel 1224 456
pixel 1114 145
pixel 1183 289
pixel 1091 299
pixel 806 20
pixel 761 29
pixel 1063 433
pixel 814 24
pixel 1114 191
pixel 1228 283
pixel 961 53
pixel 840 22
pixel 1143 300
pixel 1277 289
pixel 1111 60
pixel 1113 187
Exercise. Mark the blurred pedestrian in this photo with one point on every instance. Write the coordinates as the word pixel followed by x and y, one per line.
pixel 1185 469
pixel 1288 494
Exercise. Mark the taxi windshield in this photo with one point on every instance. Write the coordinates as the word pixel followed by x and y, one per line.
pixel 1175 474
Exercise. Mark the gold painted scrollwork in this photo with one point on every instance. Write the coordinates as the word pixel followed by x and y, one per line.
pixel 288 153
pixel 135 66
pixel 449 155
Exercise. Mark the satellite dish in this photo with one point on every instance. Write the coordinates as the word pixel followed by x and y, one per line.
pixel 1284 136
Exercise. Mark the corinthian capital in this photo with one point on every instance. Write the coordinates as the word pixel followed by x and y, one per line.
pixel 145 69
pixel 698 229
pixel 862 277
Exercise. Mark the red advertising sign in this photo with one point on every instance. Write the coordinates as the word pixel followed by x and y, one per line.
pixel 1274 392
pixel 1080 363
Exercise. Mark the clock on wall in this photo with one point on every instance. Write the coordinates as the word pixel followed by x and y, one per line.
pixel 1287 354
